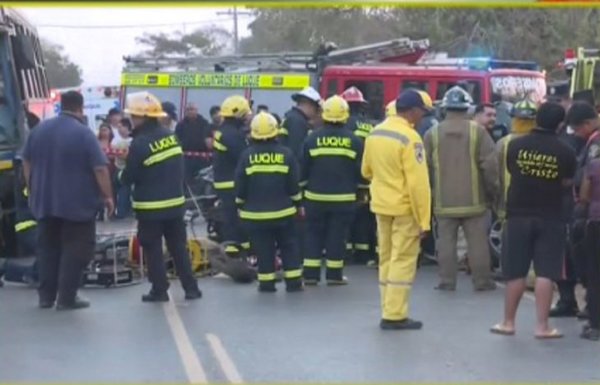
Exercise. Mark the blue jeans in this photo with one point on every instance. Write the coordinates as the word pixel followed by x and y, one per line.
pixel 123 201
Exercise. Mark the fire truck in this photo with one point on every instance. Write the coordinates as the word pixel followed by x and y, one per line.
pixel 379 70
pixel 581 66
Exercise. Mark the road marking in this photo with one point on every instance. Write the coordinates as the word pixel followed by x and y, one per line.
pixel 225 361
pixel 189 357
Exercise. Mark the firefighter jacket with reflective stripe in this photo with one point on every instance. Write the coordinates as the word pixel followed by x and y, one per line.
pixel 463 167
pixel 359 126
pixel 24 219
pixel 266 182
pixel 294 130
pixel 394 161
pixel 330 167
pixel 154 167
pixel 229 143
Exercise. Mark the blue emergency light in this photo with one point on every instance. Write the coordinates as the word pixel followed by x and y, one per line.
pixel 486 64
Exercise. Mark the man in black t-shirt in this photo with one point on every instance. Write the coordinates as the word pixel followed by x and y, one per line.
pixel 541 167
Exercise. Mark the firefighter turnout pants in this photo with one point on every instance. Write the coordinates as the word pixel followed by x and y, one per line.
pixel 150 235
pixel 363 240
pixel 233 234
pixel 326 230
pixel 268 236
pixel 478 252
pixel 399 244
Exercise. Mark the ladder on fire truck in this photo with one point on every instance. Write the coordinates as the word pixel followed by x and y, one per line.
pixel 583 66
pixel 401 50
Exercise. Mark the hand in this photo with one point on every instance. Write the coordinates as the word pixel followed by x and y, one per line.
pixel 301 212
pixel 110 207
pixel 423 234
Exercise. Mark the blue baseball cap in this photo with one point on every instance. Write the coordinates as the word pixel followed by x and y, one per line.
pixel 413 98
pixel 170 109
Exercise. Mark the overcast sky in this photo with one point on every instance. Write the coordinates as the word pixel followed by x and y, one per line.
pixel 99 52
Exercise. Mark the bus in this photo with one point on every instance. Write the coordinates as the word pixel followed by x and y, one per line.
pixel 98 101
pixel 23 86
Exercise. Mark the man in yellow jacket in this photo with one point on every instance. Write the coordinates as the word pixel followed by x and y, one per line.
pixel 394 161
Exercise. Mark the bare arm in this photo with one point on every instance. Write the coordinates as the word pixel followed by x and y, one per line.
pixel 103 179
pixel 26 173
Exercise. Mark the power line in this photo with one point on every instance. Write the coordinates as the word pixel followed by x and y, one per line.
pixel 131 25
pixel 235 13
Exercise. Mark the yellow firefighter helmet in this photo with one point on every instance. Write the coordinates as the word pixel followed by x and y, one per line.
pixel 235 106
pixel 144 104
pixel 336 110
pixel 263 126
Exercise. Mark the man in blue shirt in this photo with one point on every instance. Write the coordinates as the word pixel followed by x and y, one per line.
pixel 67 177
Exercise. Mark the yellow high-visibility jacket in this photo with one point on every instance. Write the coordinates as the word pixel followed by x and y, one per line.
pixel 394 161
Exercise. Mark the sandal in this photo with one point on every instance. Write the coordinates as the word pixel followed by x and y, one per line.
pixel 554 333
pixel 501 330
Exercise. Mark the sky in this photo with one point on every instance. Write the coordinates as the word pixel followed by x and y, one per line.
pixel 99 51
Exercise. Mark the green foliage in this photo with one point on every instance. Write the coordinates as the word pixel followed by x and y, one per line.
pixel 61 71
pixel 208 42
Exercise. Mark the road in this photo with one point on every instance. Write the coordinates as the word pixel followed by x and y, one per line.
pixel 235 334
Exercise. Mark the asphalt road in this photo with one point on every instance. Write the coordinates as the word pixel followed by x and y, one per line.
pixel 235 334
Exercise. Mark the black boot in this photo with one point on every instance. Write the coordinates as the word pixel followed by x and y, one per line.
pixel 78 303
pixel 154 296
pixel 267 287
pixel 193 294
pixel 405 324
pixel 563 310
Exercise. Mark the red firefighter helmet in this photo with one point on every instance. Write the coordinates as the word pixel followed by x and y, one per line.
pixel 353 95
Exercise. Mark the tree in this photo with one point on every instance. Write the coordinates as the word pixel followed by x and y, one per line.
pixel 207 42
pixel 540 35
pixel 61 71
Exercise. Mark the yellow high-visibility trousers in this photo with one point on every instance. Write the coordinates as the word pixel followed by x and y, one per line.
pixel 399 245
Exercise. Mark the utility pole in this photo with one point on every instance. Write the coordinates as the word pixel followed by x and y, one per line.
pixel 234 13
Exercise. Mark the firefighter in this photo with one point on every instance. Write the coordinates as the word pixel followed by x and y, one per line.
pixel 394 162
pixel 523 121
pixel 299 120
pixel 268 197
pixel 330 175
pixel 229 143
pixel 464 173
pixel 154 167
pixel 362 242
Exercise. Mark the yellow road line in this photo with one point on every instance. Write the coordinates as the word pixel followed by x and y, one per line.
pixel 189 358
pixel 224 360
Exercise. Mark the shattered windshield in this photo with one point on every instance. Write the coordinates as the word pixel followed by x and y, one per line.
pixel 512 88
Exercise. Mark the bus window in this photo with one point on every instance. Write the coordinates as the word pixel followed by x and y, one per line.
pixel 332 87
pixel 473 87
pixel 373 92
pixel 418 84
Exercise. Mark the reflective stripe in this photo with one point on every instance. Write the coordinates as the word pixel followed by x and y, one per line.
pixel 381 132
pixel 218 146
pixel 267 169
pixel 290 274
pixel 157 205
pixel 22 226
pixel 159 157
pixel 333 152
pixel 239 201
pixel 245 245
pixel 296 197
pixel 361 133
pixel 283 131
pixel 329 197
pixel 224 185
pixel 266 277
pixel 231 249
pixel 266 215
pixel 362 246
pixel 335 264
pixel 474 144
pixel 399 283
pixel 303 183
pixel 363 186
pixel 25 192
pixel 349 246
pixel 312 263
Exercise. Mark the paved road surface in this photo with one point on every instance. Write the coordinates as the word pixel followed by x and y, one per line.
pixel 235 334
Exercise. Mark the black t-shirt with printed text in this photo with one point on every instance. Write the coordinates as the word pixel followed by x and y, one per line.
pixel 538 164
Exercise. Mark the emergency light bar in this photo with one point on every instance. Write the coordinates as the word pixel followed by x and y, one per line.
pixel 494 64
